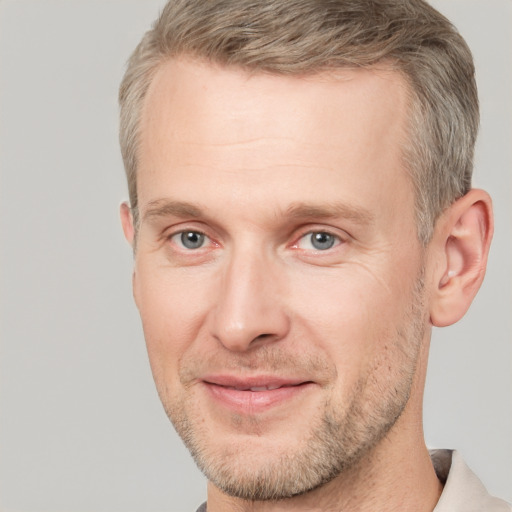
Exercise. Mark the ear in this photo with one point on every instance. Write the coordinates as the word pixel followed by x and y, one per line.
pixel 459 250
pixel 129 234
pixel 127 222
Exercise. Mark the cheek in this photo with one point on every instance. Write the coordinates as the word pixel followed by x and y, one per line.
pixel 172 309
pixel 351 313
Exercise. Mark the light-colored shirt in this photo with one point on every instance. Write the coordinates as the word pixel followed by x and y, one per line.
pixel 463 491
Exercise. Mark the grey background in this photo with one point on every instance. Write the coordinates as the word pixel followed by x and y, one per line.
pixel 81 427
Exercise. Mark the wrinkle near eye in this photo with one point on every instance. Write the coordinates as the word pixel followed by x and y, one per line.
pixel 375 261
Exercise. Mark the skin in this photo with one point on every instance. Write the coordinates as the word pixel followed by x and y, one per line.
pixel 256 164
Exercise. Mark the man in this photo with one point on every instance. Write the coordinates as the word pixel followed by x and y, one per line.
pixel 301 215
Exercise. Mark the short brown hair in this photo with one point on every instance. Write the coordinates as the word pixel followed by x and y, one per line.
pixel 308 36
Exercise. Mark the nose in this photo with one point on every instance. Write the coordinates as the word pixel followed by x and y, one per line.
pixel 250 309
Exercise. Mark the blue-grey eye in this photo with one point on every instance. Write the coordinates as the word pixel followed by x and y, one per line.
pixel 322 241
pixel 192 239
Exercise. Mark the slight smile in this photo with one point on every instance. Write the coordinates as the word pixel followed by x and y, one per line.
pixel 254 395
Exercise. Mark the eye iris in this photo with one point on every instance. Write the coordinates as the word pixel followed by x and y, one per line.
pixel 322 241
pixel 192 239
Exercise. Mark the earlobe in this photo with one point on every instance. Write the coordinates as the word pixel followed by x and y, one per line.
pixel 462 238
pixel 127 222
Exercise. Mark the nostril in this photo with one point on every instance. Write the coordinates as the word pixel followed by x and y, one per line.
pixel 262 336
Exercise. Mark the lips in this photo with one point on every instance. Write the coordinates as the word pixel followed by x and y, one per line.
pixel 254 394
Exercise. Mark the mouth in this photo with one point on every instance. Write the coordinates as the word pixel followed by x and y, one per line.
pixel 254 395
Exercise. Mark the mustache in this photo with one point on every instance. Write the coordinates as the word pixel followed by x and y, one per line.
pixel 263 360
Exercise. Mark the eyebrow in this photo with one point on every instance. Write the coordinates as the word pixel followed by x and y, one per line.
pixel 298 211
pixel 167 208
pixel 330 211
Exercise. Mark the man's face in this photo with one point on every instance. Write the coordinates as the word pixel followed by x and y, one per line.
pixel 278 272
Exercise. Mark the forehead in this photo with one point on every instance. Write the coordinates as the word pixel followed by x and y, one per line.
pixel 212 125
pixel 186 91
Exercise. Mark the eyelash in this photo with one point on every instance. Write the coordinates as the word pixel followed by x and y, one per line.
pixel 181 233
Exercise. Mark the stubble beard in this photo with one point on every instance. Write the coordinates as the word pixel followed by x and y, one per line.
pixel 337 442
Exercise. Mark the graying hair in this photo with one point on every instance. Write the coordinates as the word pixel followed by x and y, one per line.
pixel 297 37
